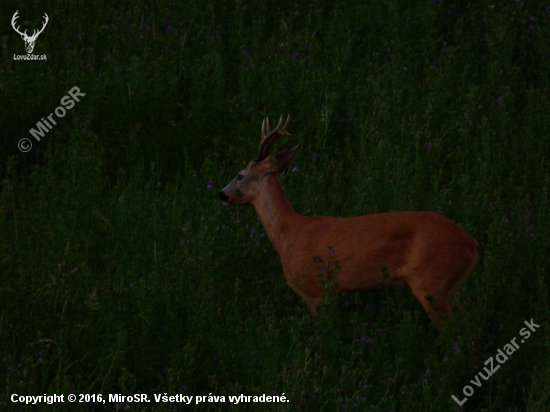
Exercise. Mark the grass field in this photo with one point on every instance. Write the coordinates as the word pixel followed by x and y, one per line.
pixel 122 273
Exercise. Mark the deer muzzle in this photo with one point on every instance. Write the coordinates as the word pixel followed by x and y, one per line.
pixel 224 198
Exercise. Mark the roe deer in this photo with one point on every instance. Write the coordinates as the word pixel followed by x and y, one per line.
pixel 427 251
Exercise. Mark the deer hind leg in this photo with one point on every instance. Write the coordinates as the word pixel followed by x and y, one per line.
pixel 435 302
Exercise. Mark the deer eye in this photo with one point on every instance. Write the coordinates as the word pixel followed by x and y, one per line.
pixel 240 177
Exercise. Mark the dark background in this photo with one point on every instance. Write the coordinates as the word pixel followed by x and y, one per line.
pixel 121 272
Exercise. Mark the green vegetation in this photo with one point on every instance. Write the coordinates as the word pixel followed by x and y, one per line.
pixel 121 271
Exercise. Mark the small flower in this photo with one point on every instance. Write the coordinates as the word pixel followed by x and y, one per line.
pixel 428 144
pixel 295 169
pixel 428 372
pixel 169 30
pixel 209 185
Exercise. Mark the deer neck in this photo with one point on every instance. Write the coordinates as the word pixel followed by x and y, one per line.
pixel 276 213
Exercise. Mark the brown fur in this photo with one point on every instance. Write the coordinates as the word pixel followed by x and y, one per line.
pixel 427 251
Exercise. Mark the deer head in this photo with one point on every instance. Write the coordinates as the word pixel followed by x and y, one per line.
pixel 29 40
pixel 244 188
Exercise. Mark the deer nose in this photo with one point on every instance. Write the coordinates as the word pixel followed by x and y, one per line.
pixel 223 197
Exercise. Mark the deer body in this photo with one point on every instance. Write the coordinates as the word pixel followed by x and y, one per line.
pixel 426 251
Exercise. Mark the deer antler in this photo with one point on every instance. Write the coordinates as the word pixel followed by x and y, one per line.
pixel 29 40
pixel 13 19
pixel 268 136
pixel 37 32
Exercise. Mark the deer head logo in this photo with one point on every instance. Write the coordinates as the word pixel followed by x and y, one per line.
pixel 29 40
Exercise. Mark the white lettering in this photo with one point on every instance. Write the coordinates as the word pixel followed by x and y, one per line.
pixel 62 110
pixel 74 92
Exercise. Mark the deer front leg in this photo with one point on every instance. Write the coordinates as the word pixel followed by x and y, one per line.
pixel 312 304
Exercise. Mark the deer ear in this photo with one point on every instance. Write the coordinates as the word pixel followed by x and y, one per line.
pixel 279 161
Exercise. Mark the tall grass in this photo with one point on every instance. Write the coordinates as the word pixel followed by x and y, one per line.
pixel 121 272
